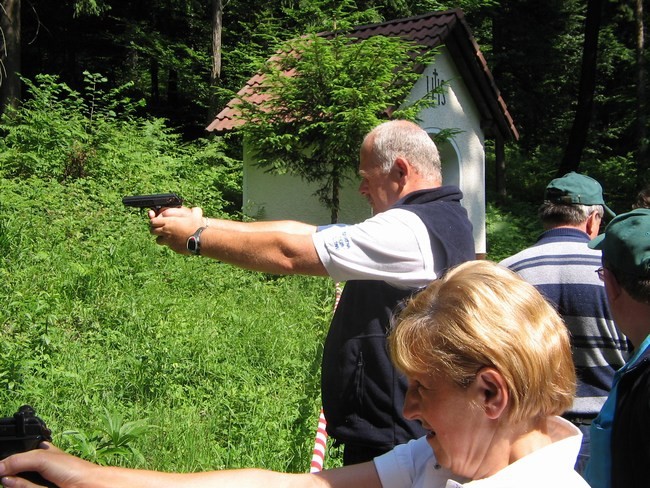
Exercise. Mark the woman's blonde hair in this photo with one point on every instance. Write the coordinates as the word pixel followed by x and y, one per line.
pixel 481 314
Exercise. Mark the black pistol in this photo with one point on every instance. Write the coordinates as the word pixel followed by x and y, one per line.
pixel 155 202
pixel 24 432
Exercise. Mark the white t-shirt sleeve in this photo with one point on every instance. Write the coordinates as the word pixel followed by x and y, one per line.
pixel 393 246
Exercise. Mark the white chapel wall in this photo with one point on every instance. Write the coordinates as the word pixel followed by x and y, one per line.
pixel 273 197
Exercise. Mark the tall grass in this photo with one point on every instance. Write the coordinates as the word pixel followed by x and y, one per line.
pixel 133 354
pixel 223 362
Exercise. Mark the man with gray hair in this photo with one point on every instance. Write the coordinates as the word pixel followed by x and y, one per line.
pixel 417 231
pixel 562 267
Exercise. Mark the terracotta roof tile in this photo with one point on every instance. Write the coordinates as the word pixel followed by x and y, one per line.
pixel 432 30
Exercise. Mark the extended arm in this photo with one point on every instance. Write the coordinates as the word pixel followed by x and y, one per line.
pixel 67 471
pixel 280 247
pixel 286 226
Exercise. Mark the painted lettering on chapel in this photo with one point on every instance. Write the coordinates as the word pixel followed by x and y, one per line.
pixel 434 82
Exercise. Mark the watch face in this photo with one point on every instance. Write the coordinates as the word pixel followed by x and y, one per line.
pixel 191 244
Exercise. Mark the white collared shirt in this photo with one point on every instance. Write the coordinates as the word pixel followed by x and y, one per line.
pixel 413 465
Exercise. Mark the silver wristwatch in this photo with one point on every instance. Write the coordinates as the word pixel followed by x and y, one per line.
pixel 194 242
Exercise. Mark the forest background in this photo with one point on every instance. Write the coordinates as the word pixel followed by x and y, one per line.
pixel 137 356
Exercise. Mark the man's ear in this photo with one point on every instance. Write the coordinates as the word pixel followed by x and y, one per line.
pixel 593 224
pixel 492 392
pixel 402 168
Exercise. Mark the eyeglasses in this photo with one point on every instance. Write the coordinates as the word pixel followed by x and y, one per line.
pixel 601 273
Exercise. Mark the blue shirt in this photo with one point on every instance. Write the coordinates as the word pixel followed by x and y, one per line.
pixel 599 469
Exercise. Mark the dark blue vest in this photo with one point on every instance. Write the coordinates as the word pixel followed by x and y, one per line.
pixel 362 392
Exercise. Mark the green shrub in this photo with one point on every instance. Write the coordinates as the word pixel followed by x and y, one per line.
pixel 510 228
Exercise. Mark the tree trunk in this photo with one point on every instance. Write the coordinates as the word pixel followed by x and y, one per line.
pixel 336 200
pixel 500 177
pixel 10 54
pixel 500 168
pixel 580 128
pixel 154 70
pixel 215 73
pixel 643 158
pixel 172 87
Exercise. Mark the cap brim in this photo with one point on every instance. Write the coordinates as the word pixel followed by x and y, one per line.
pixel 608 211
pixel 597 242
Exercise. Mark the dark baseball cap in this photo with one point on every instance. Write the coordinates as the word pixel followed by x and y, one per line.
pixel 576 189
pixel 626 243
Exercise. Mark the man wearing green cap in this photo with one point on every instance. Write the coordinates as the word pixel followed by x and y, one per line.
pixel 561 266
pixel 620 434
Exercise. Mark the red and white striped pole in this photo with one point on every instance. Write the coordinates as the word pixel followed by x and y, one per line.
pixel 320 442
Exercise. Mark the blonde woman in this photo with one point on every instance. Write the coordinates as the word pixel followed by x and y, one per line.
pixel 489 369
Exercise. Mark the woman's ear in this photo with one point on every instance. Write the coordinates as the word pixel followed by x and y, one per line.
pixel 492 392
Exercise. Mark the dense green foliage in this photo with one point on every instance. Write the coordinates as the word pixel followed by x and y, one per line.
pixel 510 228
pixel 145 357
pixel 534 48
pixel 95 138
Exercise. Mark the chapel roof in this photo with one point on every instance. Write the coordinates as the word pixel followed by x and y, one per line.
pixel 433 29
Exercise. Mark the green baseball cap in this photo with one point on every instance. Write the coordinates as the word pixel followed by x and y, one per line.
pixel 626 243
pixel 574 188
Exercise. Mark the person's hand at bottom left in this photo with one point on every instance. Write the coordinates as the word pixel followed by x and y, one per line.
pixel 53 464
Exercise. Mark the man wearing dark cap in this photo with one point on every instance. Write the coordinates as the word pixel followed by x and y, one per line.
pixel 621 432
pixel 561 266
